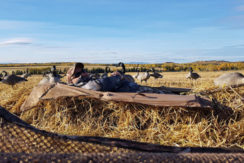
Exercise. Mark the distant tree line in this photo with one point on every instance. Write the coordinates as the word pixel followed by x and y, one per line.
pixel 168 67
pixel 198 66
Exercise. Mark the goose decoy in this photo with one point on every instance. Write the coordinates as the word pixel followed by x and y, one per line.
pixel 192 75
pixel 105 74
pixel 122 72
pixel 230 79
pixel 143 76
pixel 11 79
pixel 26 74
pixel 51 77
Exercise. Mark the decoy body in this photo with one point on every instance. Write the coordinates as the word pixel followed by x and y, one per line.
pixel 192 75
pixel 11 79
pixel 51 77
pixel 137 73
pixel 26 74
pixel 230 79
pixel 143 76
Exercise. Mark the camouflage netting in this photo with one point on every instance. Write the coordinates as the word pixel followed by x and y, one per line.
pixel 22 142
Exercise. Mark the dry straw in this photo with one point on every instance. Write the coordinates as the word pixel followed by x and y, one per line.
pixel 167 126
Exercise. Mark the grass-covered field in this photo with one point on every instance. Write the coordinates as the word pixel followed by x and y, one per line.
pixel 167 126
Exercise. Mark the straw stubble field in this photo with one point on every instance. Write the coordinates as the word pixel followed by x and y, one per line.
pixel 162 125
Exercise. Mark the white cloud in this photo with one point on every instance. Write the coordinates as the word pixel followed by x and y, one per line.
pixel 16 41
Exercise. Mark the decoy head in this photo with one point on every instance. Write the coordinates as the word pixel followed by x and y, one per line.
pixel 107 69
pixel 4 73
pixel 53 68
pixel 123 67
pixel 152 69
pixel 190 69
pixel 120 64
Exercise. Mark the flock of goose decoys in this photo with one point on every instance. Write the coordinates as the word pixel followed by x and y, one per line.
pixel 11 79
pixel 26 74
pixel 113 82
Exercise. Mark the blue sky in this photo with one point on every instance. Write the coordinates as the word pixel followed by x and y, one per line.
pixel 107 31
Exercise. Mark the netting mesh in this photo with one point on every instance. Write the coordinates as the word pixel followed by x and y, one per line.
pixel 19 139
pixel 122 157
pixel 21 142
